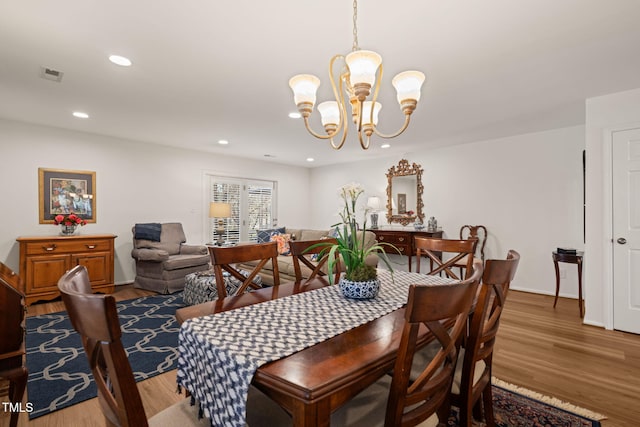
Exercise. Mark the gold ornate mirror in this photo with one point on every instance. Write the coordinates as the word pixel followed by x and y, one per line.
pixel 404 193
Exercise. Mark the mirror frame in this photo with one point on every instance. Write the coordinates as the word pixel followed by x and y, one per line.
pixel 404 169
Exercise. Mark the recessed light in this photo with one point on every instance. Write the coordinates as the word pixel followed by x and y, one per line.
pixel 223 142
pixel 295 115
pixel 120 60
pixel 310 159
pixel 385 146
pixel 80 115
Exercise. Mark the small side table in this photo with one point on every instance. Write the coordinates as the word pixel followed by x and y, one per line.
pixel 569 259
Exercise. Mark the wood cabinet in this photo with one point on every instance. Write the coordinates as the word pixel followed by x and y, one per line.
pixel 43 260
pixel 403 239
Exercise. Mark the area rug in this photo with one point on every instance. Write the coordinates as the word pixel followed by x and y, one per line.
pixel 59 374
pixel 515 406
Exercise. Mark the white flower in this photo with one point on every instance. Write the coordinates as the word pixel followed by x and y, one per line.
pixel 351 190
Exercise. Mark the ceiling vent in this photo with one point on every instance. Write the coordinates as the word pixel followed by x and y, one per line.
pixel 51 74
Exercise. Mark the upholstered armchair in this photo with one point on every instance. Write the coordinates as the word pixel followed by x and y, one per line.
pixel 162 257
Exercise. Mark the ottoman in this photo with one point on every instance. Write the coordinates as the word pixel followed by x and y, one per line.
pixel 201 287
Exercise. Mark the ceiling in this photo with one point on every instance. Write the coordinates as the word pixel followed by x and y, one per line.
pixel 209 70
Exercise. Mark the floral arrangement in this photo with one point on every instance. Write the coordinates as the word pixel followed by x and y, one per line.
pixel 70 219
pixel 350 245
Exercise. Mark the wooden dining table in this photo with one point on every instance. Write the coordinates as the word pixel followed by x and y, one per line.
pixel 311 383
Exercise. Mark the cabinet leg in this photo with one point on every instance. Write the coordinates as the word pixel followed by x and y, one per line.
pixel 555 264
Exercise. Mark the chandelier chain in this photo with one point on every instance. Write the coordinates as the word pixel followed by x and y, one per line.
pixel 355 26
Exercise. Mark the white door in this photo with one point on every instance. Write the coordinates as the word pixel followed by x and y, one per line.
pixel 626 230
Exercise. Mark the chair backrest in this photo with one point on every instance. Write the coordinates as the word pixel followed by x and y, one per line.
pixel 302 251
pixel 475 232
pixel 95 318
pixel 444 310
pixel 11 319
pixel 224 258
pixel 436 249
pixel 483 326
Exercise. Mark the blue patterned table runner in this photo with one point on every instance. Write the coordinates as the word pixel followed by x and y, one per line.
pixel 220 353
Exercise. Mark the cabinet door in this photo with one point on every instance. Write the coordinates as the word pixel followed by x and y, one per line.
pixel 98 265
pixel 43 272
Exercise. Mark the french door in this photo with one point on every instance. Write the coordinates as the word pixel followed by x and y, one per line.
pixel 252 203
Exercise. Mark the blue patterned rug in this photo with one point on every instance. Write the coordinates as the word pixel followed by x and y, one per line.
pixel 59 374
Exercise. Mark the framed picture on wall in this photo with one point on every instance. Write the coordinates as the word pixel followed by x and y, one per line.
pixel 402 203
pixel 66 191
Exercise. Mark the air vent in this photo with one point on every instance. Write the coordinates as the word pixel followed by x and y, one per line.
pixel 51 74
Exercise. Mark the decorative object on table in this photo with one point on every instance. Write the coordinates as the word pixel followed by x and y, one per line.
pixel 373 203
pixel 355 80
pixel 63 192
pixel 350 245
pixel 418 225
pixel 432 225
pixel 221 211
pixel 68 223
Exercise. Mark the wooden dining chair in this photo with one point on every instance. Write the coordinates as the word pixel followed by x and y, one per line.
pixel 12 345
pixel 473 375
pixel 473 232
pixel 302 252
pixel 225 258
pixel 95 318
pixel 455 250
pixel 418 390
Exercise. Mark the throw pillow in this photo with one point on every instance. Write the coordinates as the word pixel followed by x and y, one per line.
pixel 283 243
pixel 150 231
pixel 264 236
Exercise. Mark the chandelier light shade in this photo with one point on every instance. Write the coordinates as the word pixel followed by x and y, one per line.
pixel 353 83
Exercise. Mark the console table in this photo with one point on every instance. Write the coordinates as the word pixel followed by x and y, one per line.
pixel 44 259
pixel 404 240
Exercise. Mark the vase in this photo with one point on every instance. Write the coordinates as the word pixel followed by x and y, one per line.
pixel 67 230
pixel 359 290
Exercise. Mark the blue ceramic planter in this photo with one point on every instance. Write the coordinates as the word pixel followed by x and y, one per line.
pixel 359 290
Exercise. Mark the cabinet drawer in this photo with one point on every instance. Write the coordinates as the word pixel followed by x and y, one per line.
pixel 404 249
pixel 395 239
pixel 52 247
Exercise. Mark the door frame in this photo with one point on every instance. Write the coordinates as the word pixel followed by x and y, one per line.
pixel 607 262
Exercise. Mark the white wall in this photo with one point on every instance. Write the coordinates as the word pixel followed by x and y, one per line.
pixel 526 189
pixel 604 115
pixel 135 182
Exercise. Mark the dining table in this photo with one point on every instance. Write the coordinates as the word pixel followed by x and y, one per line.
pixel 303 344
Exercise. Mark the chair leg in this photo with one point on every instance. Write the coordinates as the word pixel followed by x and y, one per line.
pixel 17 386
pixel 487 403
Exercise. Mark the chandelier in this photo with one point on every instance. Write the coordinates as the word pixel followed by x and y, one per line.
pixel 361 71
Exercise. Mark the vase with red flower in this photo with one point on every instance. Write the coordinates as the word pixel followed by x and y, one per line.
pixel 68 223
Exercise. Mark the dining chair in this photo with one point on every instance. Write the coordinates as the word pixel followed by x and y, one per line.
pixel 418 391
pixel 435 249
pixel 473 232
pixel 303 252
pixel 95 318
pixel 473 375
pixel 225 258
pixel 12 345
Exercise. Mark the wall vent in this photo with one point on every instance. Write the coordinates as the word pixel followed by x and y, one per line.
pixel 51 74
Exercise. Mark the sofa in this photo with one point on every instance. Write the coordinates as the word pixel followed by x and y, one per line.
pixel 163 258
pixel 285 262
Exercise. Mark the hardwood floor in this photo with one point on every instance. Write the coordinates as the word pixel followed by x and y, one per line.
pixel 546 350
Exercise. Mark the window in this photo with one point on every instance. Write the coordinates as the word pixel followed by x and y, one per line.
pixel 252 207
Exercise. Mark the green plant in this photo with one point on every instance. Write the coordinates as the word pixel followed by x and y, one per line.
pixel 351 245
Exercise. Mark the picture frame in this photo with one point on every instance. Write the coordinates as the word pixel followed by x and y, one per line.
pixel 63 191
pixel 402 203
